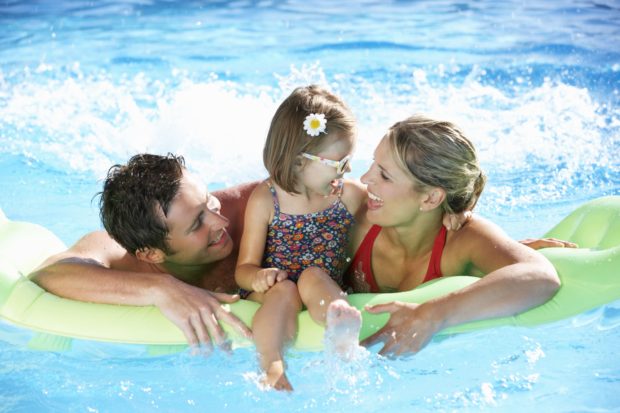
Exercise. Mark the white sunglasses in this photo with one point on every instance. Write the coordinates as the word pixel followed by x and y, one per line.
pixel 340 165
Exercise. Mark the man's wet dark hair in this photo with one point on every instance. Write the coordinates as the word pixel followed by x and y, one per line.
pixel 134 197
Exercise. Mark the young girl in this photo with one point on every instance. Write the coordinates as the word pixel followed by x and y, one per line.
pixel 293 249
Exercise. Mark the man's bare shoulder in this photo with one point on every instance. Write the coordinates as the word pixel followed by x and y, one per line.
pixel 236 195
pixel 234 201
pixel 97 248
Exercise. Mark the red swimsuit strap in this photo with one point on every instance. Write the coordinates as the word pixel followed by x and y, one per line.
pixel 363 255
pixel 434 265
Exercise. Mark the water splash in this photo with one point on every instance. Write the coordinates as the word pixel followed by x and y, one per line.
pixel 84 122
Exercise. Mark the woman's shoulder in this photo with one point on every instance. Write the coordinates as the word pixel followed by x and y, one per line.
pixel 475 233
pixel 478 228
pixel 483 244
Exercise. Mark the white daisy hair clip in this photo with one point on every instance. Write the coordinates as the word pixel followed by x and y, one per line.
pixel 315 124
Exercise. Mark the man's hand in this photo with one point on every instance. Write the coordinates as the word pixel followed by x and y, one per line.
pixel 539 243
pixel 266 278
pixel 197 311
pixel 408 330
pixel 454 222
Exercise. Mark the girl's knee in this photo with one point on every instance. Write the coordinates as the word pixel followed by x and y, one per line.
pixel 286 287
pixel 285 291
pixel 310 280
pixel 312 274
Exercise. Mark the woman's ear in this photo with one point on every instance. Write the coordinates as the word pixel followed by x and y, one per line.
pixel 151 255
pixel 433 199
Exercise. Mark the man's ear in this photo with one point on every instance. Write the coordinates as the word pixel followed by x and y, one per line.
pixel 151 255
pixel 433 199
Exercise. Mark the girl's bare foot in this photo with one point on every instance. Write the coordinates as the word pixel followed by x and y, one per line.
pixel 275 377
pixel 343 323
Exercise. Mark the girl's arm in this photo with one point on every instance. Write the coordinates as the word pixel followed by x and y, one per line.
pixel 249 274
pixel 517 279
pixel 354 195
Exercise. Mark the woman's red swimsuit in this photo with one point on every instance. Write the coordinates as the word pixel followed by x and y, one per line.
pixel 362 260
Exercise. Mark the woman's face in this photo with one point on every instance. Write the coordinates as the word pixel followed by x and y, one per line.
pixel 392 200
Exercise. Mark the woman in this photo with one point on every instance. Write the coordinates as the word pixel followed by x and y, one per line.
pixel 422 169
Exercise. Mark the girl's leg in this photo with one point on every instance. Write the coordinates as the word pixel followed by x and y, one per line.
pixel 328 306
pixel 318 291
pixel 275 324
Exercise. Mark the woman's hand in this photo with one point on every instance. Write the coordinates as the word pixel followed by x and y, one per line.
pixel 266 278
pixel 409 329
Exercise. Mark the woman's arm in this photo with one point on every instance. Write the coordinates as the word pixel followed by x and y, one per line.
pixel 453 222
pixel 517 279
pixel 249 274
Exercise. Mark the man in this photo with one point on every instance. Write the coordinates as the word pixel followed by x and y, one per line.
pixel 167 244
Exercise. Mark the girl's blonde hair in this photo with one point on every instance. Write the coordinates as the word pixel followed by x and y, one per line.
pixel 287 138
pixel 438 154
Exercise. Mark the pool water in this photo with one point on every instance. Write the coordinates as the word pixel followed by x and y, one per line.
pixel 84 85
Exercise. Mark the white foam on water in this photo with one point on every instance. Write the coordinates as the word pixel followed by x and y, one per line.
pixel 87 123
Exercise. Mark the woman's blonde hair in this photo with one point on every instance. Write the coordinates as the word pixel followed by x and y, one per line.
pixel 438 154
pixel 287 138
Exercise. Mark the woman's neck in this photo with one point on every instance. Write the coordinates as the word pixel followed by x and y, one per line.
pixel 418 236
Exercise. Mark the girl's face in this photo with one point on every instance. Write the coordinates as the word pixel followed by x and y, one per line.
pixel 392 199
pixel 316 175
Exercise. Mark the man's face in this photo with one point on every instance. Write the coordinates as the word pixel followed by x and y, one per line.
pixel 197 232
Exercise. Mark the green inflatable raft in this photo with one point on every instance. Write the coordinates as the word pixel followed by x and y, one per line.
pixel 590 278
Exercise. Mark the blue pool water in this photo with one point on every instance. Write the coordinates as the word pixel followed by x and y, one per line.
pixel 84 85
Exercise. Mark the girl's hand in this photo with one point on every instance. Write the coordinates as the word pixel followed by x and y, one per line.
pixel 454 222
pixel 408 330
pixel 266 278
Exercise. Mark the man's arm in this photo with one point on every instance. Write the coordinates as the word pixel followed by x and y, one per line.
pixel 97 269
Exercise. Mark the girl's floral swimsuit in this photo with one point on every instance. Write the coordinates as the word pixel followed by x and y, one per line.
pixel 296 242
